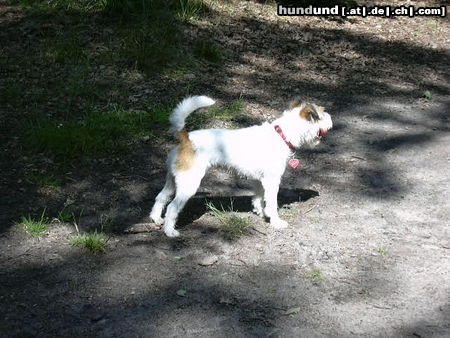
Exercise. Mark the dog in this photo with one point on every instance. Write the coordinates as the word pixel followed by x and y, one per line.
pixel 259 153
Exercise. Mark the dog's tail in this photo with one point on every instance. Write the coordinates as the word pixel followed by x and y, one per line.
pixel 186 107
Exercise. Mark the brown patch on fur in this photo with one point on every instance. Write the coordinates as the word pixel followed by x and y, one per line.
pixel 186 151
pixel 296 103
pixel 309 113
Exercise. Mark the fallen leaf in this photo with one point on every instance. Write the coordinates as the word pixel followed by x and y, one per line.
pixel 226 301
pixel 292 311
pixel 182 293
pixel 427 94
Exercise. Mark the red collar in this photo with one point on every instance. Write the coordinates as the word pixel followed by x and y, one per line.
pixel 280 132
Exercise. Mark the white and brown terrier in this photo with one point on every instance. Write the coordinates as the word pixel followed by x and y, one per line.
pixel 259 153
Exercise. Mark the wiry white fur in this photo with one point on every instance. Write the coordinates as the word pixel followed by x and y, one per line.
pixel 257 152
pixel 186 107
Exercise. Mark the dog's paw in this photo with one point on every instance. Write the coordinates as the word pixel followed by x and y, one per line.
pixel 171 232
pixel 258 211
pixel 279 224
pixel 157 220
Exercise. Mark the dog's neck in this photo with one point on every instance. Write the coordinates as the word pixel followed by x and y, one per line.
pixel 288 143
pixel 289 131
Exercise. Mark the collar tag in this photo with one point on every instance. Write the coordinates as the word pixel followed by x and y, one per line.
pixel 294 163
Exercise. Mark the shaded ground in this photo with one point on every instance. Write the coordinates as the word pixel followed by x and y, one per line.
pixel 367 250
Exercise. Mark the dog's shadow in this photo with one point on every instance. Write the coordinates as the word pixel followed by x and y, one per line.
pixel 197 206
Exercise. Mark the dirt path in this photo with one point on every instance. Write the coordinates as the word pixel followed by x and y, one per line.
pixel 367 252
pixel 356 261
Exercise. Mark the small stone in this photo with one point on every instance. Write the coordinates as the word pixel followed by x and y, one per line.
pixel 182 292
pixel 210 260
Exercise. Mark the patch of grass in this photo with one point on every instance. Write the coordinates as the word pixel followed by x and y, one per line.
pixel 147 35
pixel 181 71
pixel 84 6
pixel 77 86
pixel 233 225
pixel 188 9
pixel 159 115
pixel 66 217
pixel 125 8
pixel 317 276
pixel 129 10
pixel 136 9
pixel 11 92
pixel 382 251
pixel 235 111
pixel 94 242
pixel 150 46
pixel 327 3
pixel 42 180
pixel 199 120
pixel 35 228
pixel 67 49
pixel 150 35
pixel 3 61
pixel 97 133
pixel 208 50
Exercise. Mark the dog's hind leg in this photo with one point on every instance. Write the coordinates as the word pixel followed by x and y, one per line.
pixel 258 198
pixel 187 183
pixel 162 199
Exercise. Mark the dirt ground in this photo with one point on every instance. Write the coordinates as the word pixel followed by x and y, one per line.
pixel 367 252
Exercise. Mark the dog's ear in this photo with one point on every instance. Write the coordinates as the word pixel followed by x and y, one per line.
pixel 294 104
pixel 309 112
pixel 320 109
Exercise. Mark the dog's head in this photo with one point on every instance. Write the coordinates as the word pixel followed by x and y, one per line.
pixel 310 121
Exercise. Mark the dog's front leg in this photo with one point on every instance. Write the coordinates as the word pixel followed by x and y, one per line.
pixel 271 186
